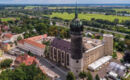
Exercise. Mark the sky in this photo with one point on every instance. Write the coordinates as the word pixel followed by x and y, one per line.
pixel 64 1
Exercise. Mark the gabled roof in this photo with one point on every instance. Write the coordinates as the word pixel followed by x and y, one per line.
pixel 8 35
pixel 61 44
pixel 39 45
pixel 33 41
pixel 28 60
pixel 35 38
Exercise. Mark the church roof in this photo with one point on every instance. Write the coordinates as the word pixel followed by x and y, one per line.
pixel 61 44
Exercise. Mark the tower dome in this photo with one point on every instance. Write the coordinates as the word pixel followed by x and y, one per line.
pixel 76 25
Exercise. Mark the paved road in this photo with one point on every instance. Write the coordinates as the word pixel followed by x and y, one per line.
pixel 109 30
pixel 60 71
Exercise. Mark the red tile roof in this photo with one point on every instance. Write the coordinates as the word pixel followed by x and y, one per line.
pixel 28 60
pixel 35 38
pixel 34 43
pixel 8 35
pixel 21 41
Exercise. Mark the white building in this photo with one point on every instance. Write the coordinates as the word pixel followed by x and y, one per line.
pixel 12 37
pixel 33 44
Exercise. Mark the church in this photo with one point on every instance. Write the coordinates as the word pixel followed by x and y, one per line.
pixel 78 52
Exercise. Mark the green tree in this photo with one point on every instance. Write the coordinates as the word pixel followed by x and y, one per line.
pixel 19 38
pixel 31 54
pixel 70 76
pixel 114 55
pixel 97 77
pixel 89 76
pixel 6 63
pixel 83 75
pixel 23 72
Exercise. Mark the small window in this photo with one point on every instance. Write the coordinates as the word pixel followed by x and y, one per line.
pixel 76 70
pixel 77 61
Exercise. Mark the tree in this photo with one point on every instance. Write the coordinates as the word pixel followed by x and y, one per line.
pixel 97 77
pixel 23 72
pixel 114 55
pixel 19 38
pixel 127 41
pixel 70 76
pixel 116 21
pixel 6 63
pixel 31 54
pixel 54 23
pixel 82 75
pixel 89 76
pixel 127 56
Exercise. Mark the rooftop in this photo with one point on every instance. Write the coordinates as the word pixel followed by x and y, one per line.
pixel 8 35
pixel 65 44
pixel 39 45
pixel 33 41
pixel 28 60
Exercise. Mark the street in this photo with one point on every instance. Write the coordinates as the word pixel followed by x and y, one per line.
pixel 60 71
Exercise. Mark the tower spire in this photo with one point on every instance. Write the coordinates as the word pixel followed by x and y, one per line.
pixel 76 11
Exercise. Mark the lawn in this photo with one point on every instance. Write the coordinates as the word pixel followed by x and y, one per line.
pixel 67 16
pixel 127 10
pixel 8 19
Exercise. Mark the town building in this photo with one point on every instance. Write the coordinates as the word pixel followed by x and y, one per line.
pixel 29 60
pixel 26 59
pixel 93 49
pixel 34 44
pixel 78 52
pixel 6 45
pixel 11 37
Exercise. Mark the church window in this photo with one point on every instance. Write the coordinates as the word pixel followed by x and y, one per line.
pixel 77 61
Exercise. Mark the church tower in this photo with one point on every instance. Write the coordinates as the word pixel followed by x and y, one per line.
pixel 76 60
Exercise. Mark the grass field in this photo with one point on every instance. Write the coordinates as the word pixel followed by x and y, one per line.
pixel 30 7
pixel 67 16
pixel 127 10
pixel 8 19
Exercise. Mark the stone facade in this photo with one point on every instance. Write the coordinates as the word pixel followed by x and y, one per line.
pixel 62 56
pixel 108 44
pixel 92 55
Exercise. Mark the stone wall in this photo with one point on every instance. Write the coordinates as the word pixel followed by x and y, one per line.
pixel 92 55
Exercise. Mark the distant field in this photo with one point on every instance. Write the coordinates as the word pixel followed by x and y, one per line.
pixel 67 16
pixel 8 19
pixel 64 7
pixel 127 10
pixel 30 7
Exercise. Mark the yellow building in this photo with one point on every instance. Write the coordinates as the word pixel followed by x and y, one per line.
pixel 6 45
pixel 1 53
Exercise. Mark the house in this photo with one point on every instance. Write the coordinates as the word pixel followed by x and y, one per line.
pixel 11 37
pixel 6 45
pixel 26 59
pixel 29 60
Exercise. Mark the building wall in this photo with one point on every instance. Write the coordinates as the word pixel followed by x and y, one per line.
pixel 92 55
pixel 14 37
pixel 59 56
pixel 108 44
pixel 33 49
